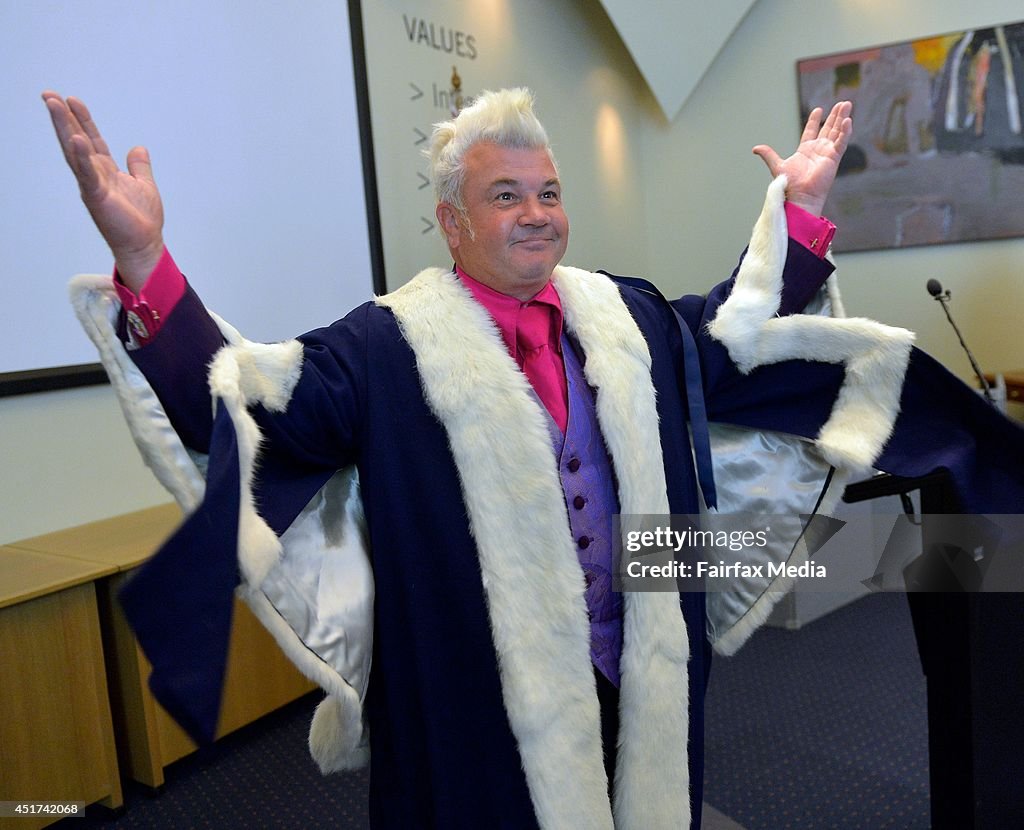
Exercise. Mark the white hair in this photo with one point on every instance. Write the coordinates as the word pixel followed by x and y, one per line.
pixel 504 117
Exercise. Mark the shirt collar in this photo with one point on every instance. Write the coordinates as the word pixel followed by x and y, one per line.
pixel 507 311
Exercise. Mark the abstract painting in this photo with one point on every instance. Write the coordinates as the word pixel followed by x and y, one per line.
pixel 937 153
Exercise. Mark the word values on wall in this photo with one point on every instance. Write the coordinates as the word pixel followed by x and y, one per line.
pixel 436 56
pixel 442 38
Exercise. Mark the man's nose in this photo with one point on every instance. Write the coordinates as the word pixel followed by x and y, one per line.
pixel 533 213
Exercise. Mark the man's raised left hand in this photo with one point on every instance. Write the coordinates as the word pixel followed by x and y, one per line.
pixel 811 170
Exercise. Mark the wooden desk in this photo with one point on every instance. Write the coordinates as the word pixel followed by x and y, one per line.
pixel 259 678
pixel 123 542
pixel 56 733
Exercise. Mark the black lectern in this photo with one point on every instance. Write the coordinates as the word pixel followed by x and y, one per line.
pixel 972 653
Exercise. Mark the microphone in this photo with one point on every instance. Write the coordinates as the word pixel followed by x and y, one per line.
pixel 935 289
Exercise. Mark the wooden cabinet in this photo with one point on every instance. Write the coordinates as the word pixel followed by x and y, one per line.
pixel 56 736
pixel 259 677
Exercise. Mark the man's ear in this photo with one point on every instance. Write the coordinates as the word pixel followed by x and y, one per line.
pixel 448 219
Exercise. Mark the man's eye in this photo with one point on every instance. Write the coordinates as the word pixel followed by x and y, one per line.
pixel 550 195
pixel 505 197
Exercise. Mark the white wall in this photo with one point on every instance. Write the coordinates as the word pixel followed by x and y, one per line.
pixel 66 458
pixel 701 204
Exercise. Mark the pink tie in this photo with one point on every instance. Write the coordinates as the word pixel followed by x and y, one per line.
pixel 541 364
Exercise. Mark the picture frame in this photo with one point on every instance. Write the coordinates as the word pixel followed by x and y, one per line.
pixel 937 154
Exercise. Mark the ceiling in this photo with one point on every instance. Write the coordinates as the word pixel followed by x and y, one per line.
pixel 674 42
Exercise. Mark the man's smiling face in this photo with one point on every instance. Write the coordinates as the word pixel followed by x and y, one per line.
pixel 517 230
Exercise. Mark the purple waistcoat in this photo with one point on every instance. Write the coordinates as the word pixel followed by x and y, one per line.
pixel 588 485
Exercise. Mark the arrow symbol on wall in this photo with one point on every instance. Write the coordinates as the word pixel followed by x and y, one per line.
pixel 424 181
pixel 429 225
pixel 422 135
pixel 419 92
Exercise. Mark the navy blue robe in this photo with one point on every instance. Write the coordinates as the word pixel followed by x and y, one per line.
pixel 443 753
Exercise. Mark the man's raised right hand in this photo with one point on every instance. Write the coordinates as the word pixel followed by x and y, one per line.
pixel 125 206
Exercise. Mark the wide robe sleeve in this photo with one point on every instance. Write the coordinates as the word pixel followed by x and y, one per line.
pixel 295 411
pixel 801 403
pixel 857 388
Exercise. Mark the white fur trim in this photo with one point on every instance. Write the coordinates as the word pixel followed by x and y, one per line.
pixel 240 375
pixel 96 305
pixel 531 574
pixel 652 776
pixel 834 297
pixel 875 356
pixel 337 740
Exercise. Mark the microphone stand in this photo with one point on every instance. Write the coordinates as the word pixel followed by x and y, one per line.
pixel 943 297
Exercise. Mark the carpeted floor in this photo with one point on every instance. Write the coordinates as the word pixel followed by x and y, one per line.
pixel 818 728
pixel 825 727
pixel 259 777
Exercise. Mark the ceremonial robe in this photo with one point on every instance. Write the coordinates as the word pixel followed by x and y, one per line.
pixel 480 702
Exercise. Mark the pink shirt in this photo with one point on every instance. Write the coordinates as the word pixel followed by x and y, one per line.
pixel 532 332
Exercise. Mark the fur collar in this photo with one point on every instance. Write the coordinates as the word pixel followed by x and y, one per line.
pixel 531 575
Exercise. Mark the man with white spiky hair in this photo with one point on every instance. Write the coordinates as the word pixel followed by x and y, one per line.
pixel 498 414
